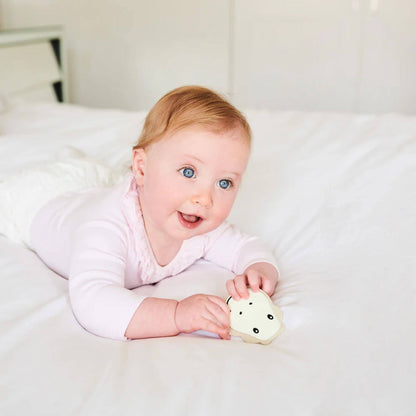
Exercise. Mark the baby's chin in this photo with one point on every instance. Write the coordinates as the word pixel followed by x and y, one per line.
pixel 208 226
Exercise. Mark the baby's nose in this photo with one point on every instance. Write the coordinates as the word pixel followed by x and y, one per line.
pixel 202 198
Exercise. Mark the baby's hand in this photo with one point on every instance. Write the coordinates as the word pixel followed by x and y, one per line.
pixel 206 312
pixel 257 276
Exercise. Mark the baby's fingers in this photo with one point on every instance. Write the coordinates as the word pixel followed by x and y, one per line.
pixel 219 311
pixel 218 301
pixel 238 287
pixel 241 285
pixel 254 280
pixel 210 326
pixel 232 290
pixel 268 286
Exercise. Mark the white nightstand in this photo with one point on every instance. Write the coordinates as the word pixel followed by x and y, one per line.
pixel 33 64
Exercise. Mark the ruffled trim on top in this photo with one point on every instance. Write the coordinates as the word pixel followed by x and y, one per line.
pixel 190 251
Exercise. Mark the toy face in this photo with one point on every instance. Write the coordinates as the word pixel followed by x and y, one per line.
pixel 255 317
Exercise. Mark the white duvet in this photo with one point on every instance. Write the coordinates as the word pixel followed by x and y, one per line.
pixel 335 197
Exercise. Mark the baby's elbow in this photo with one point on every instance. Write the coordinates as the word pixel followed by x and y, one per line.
pixel 92 313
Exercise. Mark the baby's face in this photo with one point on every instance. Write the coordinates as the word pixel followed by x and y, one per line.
pixel 188 181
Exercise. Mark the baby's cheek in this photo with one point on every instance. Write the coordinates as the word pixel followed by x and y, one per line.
pixel 219 217
pixel 224 207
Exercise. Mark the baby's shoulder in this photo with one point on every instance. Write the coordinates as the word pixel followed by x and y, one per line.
pixel 74 209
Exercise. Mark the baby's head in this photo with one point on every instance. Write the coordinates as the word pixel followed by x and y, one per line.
pixel 188 163
pixel 191 106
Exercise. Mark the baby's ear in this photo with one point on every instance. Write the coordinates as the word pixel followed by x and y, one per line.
pixel 138 165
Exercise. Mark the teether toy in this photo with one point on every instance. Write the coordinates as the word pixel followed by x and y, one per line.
pixel 256 319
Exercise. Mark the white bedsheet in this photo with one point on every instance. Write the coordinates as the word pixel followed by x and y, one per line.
pixel 333 194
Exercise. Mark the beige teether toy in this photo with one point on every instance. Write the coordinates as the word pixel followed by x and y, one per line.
pixel 256 319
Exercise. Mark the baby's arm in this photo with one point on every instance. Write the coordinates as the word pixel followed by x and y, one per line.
pixel 165 317
pixel 247 256
pixel 99 300
pixel 104 307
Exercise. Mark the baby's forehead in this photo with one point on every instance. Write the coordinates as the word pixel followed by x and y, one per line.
pixel 235 132
pixel 227 151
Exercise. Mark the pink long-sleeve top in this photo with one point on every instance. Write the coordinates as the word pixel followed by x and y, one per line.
pixel 96 238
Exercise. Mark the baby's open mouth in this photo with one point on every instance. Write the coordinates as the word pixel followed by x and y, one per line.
pixel 190 218
pixel 189 221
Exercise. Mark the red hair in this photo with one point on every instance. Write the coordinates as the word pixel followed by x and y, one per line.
pixel 191 106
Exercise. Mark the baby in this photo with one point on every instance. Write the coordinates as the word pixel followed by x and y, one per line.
pixel 167 213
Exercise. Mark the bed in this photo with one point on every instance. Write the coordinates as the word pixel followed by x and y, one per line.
pixel 334 196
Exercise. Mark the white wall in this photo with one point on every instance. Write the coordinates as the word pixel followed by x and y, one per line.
pixel 342 55
pixel 337 55
pixel 126 54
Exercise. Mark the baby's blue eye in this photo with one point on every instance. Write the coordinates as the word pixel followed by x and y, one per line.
pixel 188 172
pixel 224 183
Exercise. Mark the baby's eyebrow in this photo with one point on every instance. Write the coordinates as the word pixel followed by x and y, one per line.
pixel 235 174
pixel 195 158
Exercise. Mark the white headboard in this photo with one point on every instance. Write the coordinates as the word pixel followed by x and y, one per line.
pixel 33 64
